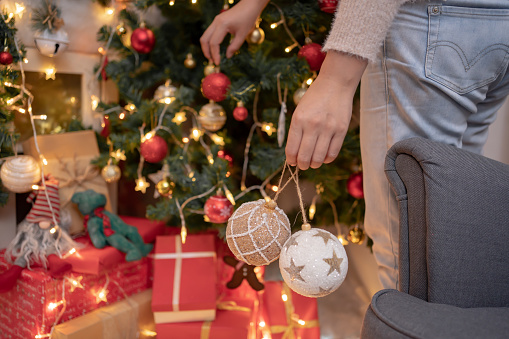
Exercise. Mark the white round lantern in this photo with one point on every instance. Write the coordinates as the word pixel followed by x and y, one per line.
pixel 313 263
pixel 51 43
pixel 20 173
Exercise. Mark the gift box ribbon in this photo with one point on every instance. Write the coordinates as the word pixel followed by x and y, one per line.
pixel 292 319
pixel 225 306
pixel 178 256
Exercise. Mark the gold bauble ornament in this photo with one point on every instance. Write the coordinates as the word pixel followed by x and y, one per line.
pixel 111 173
pixel 212 116
pixel 165 187
pixel 257 231
pixel 190 62
pixel 297 96
pixel 209 69
pixel 166 93
pixel 19 173
pixel 356 235
pixel 256 36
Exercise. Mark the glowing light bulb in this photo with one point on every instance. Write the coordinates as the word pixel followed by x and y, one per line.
pixel 194 1
pixel 130 107
pixel 309 81
pixel 10 101
pixel 53 230
pixel 76 283
pixel 312 211
pixel 172 3
pixel 228 174
pixel 43 159
pixel 52 306
pixel 101 296
pixel 149 135
pixel 275 188
pixel 72 251
pixel 229 195
pixel 101 50
pixel 210 159
pixel 109 10
pixel 179 118
pixel 183 234
pixel 261 324
pixel 22 110
pixel 195 134
pixel 35 187
pixel 191 174
pixel 269 128
pixel 121 116
pixel 289 48
pixel 141 185
pixel 217 139
pixel 94 102
pixel 284 297
pixel 301 322
pixel 148 333
pixel 25 60
pixel 342 240
pixel 8 84
pixel 185 140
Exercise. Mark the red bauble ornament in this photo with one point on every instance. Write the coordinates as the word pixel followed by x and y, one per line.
pixel 215 86
pixel 240 112
pixel 5 58
pixel 143 40
pixel 313 54
pixel 105 132
pixel 328 6
pixel 218 209
pixel 154 149
pixel 354 185
pixel 226 156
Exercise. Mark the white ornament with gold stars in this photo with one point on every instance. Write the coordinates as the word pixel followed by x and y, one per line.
pixel 313 262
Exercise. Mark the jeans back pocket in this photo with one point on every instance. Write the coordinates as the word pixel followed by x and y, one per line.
pixel 467 47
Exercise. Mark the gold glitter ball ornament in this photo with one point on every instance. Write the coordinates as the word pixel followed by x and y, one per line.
pixel 111 173
pixel 209 69
pixel 212 116
pixel 20 173
pixel 356 235
pixel 256 36
pixel 165 187
pixel 190 62
pixel 257 231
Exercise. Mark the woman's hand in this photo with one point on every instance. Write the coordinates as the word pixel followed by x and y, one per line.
pixel 321 119
pixel 238 21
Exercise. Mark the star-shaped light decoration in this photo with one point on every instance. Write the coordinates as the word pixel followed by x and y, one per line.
pixel 294 271
pixel 75 283
pixel 118 155
pixel 326 236
pixel 268 128
pixel 158 176
pixel 334 263
pixel 292 241
pixel 141 185
pixel 101 296
pixel 179 118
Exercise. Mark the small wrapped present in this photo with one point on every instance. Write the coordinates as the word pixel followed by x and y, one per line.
pixel 38 302
pixel 184 287
pixel 92 260
pixel 290 315
pixel 129 318
pixel 68 156
pixel 234 319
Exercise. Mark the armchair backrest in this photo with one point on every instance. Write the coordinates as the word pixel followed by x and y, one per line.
pixel 454 223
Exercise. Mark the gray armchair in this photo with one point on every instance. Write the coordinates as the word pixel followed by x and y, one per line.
pixel 454 246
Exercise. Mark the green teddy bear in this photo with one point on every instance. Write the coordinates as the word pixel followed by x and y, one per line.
pixel 105 228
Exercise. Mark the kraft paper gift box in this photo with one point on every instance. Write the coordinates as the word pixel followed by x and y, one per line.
pixel 290 315
pixel 92 260
pixel 184 286
pixel 26 310
pixel 235 319
pixel 69 156
pixel 129 318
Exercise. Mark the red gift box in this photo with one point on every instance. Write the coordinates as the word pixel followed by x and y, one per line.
pixel 290 315
pixel 92 260
pixel 34 305
pixel 234 319
pixel 184 287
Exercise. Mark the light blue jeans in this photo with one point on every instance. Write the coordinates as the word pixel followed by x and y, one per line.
pixel 441 75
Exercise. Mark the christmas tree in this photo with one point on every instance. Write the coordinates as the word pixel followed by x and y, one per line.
pixel 12 52
pixel 195 130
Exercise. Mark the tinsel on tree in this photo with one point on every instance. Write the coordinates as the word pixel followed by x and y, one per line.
pixel 264 77
pixel 11 100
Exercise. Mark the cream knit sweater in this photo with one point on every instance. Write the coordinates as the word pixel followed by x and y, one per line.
pixel 360 26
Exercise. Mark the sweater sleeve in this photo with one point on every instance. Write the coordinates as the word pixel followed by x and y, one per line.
pixel 360 26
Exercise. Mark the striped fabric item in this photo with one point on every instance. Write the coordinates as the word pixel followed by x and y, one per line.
pixel 40 210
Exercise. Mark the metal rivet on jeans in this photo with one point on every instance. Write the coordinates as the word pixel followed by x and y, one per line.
pixel 435 10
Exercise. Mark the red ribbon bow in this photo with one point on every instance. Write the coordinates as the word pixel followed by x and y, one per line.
pixel 98 212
